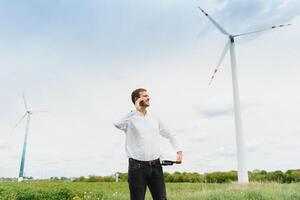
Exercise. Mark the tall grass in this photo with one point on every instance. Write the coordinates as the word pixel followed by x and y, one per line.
pixel 64 190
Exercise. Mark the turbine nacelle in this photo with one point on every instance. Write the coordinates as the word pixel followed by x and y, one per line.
pixel 231 38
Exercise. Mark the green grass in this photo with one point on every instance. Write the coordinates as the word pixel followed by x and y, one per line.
pixel 59 190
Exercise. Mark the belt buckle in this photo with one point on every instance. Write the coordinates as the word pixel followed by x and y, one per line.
pixel 152 162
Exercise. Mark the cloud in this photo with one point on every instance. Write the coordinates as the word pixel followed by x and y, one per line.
pixel 218 109
pixel 4 146
pixel 217 113
pixel 7 142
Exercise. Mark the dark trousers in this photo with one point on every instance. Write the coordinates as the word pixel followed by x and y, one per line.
pixel 142 174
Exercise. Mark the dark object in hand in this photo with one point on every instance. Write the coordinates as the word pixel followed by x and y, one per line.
pixel 142 103
pixel 168 162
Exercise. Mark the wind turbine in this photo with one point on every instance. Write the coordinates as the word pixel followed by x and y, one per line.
pixel 240 144
pixel 27 114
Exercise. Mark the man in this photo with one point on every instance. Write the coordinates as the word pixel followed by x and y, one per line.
pixel 143 131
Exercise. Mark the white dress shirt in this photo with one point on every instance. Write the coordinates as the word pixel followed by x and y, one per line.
pixel 143 135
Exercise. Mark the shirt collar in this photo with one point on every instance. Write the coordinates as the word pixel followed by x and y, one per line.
pixel 141 114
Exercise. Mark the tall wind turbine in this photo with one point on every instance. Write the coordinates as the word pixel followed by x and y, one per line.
pixel 27 114
pixel 240 144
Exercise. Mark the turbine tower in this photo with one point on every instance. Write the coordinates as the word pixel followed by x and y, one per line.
pixel 27 114
pixel 230 45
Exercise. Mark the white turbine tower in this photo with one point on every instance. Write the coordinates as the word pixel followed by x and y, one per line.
pixel 242 170
pixel 27 114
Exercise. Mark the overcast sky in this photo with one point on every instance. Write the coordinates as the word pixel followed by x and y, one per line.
pixel 80 61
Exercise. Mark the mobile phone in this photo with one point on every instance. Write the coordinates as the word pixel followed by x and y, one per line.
pixel 142 103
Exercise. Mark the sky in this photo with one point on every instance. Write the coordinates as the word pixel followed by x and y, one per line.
pixel 80 61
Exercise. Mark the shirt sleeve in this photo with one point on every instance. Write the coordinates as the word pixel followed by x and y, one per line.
pixel 122 123
pixel 167 133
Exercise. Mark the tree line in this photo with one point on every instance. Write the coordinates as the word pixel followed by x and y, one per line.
pixel 290 176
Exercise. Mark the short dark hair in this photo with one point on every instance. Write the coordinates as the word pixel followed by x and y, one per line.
pixel 136 94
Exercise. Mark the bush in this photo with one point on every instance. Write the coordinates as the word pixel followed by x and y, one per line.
pixel 221 177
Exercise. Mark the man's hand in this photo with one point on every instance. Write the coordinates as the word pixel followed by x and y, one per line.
pixel 137 103
pixel 179 157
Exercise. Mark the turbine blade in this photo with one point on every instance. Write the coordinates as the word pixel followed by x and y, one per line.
pixel 262 30
pixel 24 100
pixel 224 52
pixel 17 124
pixel 214 22
pixel 39 111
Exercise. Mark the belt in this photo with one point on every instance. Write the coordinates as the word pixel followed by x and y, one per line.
pixel 147 163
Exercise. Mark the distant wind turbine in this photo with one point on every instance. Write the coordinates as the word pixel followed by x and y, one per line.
pixel 27 114
pixel 242 171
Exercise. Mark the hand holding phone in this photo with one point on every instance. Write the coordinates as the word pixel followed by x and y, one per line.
pixel 139 103
pixel 142 103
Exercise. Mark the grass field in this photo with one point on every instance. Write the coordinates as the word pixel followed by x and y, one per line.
pixel 58 190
